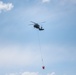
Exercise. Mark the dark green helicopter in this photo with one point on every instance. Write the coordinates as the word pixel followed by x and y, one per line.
pixel 37 26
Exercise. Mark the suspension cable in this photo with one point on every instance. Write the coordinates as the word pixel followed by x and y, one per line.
pixel 43 67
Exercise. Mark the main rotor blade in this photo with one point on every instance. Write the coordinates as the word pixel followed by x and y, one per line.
pixel 33 22
pixel 43 22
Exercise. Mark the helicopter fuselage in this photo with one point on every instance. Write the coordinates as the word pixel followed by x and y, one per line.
pixel 36 26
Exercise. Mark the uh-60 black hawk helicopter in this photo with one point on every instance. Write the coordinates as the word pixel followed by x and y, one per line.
pixel 37 26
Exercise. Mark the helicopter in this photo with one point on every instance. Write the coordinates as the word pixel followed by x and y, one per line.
pixel 37 26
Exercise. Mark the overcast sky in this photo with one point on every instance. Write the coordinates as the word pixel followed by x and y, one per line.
pixel 20 52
